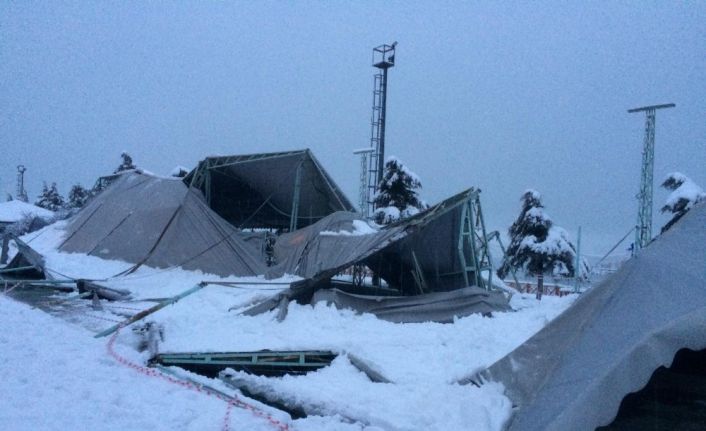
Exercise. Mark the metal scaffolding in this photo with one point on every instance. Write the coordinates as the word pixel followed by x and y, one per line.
pixel 643 227
pixel 473 248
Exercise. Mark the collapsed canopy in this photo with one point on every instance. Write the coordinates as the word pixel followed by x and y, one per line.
pixel 159 222
pixel 573 374
pixel 439 249
pixel 434 255
pixel 285 190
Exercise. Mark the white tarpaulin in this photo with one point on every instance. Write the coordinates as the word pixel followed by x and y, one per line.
pixel 574 373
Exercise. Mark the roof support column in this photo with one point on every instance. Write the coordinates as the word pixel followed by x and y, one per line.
pixel 463 234
pixel 208 187
pixel 295 198
pixel 485 262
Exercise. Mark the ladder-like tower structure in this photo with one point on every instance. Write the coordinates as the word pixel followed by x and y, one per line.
pixel 383 60
pixel 643 228
pixel 21 193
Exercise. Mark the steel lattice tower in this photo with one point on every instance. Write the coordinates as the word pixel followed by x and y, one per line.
pixel 363 190
pixel 643 228
pixel 383 59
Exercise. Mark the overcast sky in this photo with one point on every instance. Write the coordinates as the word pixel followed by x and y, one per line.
pixel 501 97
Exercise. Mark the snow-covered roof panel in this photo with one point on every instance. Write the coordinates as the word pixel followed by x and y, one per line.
pixel 143 219
pixel 612 339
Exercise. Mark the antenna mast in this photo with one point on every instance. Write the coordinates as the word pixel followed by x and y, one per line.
pixel 643 228
pixel 383 59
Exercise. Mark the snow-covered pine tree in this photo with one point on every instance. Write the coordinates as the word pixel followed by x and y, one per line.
pixel 127 163
pixel 50 198
pixel 537 246
pixel 78 196
pixel 685 193
pixel 397 195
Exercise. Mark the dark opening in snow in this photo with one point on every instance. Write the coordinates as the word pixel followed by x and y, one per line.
pixel 673 399
pixel 263 363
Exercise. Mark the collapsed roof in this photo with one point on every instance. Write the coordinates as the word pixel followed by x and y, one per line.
pixel 159 222
pixel 441 307
pixel 286 190
pixel 440 249
pixel 435 250
pixel 574 373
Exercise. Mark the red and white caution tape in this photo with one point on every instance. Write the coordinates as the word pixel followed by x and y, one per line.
pixel 231 401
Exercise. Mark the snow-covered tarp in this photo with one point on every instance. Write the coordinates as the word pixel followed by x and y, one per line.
pixel 574 373
pixel 162 223
pixel 442 307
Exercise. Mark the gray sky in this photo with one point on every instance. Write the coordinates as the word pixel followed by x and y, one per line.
pixel 502 97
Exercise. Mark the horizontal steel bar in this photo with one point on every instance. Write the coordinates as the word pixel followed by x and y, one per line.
pixel 245 363
pixel 652 107
pixel 261 354
pixel 38 282
pixel 145 313
pixel 245 283
pixel 21 268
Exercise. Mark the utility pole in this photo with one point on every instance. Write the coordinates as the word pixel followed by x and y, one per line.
pixel 643 228
pixel 383 59
pixel 577 265
pixel 21 193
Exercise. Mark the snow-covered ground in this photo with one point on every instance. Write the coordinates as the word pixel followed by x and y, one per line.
pixel 57 376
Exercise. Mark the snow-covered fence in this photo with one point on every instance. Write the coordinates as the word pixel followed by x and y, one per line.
pixel 553 289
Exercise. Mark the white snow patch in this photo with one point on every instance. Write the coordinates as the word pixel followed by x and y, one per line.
pixel 178 170
pixel 360 227
pixel 145 282
pixel 687 190
pixel 534 193
pixel 556 242
pixel 55 376
pixel 15 210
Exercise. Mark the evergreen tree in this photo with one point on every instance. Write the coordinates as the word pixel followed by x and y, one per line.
pixel 78 196
pixel 397 196
pixel 50 198
pixel 536 245
pixel 685 193
pixel 126 164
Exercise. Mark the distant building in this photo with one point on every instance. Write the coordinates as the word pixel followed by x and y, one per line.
pixel 15 210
